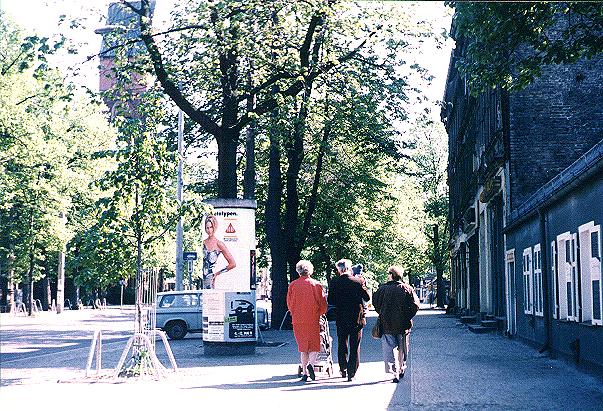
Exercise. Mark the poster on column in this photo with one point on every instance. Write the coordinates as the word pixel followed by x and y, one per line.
pixel 240 319
pixel 229 249
pixel 213 315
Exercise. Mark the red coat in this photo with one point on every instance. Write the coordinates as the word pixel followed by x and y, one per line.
pixel 306 302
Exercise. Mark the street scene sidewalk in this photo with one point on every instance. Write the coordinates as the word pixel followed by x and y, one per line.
pixel 43 363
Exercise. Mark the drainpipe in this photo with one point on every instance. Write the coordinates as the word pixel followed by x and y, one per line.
pixel 546 300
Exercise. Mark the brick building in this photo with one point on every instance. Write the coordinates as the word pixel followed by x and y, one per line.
pixel 524 168
pixel 119 38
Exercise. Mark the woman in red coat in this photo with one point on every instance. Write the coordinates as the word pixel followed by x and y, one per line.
pixel 306 302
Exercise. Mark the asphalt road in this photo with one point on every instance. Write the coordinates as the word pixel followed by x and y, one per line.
pixel 42 366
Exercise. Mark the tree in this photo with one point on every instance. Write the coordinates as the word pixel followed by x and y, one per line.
pixel 332 150
pixel 46 133
pixel 250 60
pixel 140 206
pixel 430 163
pixel 212 64
pixel 509 43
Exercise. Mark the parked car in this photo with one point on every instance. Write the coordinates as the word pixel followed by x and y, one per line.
pixel 181 312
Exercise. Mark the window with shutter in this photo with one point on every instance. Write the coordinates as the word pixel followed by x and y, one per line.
pixel 590 269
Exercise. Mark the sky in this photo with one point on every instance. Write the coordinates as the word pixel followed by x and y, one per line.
pixel 42 16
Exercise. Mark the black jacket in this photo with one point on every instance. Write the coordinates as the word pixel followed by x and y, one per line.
pixel 347 294
pixel 396 303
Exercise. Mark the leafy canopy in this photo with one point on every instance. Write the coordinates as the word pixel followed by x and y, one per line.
pixel 507 43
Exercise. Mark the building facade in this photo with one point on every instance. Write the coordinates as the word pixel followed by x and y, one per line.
pixel 553 256
pixel 525 209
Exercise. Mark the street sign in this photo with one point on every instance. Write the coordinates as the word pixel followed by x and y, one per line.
pixel 189 255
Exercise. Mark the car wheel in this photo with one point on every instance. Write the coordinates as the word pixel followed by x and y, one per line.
pixel 176 330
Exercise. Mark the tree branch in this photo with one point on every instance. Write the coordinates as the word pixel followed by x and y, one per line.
pixel 297 86
pixel 200 117
pixel 5 69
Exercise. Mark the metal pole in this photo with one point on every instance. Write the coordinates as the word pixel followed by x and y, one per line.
pixel 179 199
pixel 61 274
pixel 121 298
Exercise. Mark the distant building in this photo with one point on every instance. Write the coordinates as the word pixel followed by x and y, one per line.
pixel 119 39
pixel 526 203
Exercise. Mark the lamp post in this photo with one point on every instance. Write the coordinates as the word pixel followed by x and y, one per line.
pixel 179 199
pixel 122 282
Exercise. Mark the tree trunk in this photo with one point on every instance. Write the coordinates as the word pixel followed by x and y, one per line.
pixel 295 158
pixel 274 229
pixel 47 295
pixel 313 198
pixel 30 283
pixel 139 326
pixel 280 285
pixel 438 266
pixel 61 281
pixel 227 164
pixel 10 294
pixel 229 137
pixel 249 175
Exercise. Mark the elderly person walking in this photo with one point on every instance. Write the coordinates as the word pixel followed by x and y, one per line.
pixel 348 294
pixel 396 303
pixel 306 302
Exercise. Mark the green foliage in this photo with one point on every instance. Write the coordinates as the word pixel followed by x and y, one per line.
pixel 46 138
pixel 429 170
pixel 365 209
pixel 139 206
pixel 376 194
pixel 508 43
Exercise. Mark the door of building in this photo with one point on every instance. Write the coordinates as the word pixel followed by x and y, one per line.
pixel 474 290
pixel 497 261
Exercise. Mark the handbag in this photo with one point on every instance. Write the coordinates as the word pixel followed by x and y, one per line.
pixel 377 330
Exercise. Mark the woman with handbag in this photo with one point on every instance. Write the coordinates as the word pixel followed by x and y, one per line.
pixel 396 303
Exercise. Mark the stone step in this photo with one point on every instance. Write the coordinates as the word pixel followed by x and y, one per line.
pixel 480 329
pixel 468 319
pixel 488 317
pixel 489 323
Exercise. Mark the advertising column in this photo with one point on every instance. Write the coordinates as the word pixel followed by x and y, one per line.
pixel 229 310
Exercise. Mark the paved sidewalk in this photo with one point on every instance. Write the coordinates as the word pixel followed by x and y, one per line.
pixel 450 368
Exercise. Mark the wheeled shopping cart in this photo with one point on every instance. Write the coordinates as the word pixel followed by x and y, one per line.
pixel 324 361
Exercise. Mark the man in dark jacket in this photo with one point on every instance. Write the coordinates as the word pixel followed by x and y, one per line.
pixel 396 303
pixel 347 294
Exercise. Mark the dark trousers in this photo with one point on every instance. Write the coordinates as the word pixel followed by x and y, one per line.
pixel 348 348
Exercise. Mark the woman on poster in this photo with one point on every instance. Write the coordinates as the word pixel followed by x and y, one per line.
pixel 212 248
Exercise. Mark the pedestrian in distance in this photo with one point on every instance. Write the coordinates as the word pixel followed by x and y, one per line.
pixel 396 303
pixel 306 302
pixel 348 294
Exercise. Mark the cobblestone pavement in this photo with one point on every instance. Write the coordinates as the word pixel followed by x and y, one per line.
pixel 42 364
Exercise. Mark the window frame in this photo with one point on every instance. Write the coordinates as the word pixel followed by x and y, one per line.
pixel 538 299
pixel 528 291
pixel 563 275
pixel 590 272
pixel 555 279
